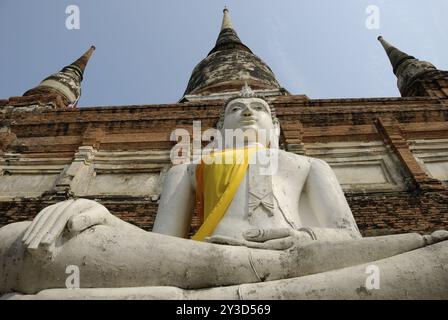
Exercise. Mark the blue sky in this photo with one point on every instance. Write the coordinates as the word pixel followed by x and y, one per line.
pixel 146 49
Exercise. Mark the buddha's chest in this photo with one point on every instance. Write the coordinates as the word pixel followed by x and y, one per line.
pixel 268 196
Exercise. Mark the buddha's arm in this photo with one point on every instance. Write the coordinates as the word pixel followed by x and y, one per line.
pixel 329 204
pixel 176 203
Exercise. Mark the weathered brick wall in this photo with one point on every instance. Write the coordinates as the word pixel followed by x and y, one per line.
pixel 375 214
pixel 139 212
pixel 378 214
pixel 423 207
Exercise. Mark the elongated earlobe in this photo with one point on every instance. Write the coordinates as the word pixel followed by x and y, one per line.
pixel 274 136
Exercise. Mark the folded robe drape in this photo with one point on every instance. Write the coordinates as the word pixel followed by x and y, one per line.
pixel 217 180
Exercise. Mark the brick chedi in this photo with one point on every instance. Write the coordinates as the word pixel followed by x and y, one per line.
pixel 64 85
pixel 228 66
pixel 389 154
pixel 415 77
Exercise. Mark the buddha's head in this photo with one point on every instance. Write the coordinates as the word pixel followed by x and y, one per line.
pixel 251 115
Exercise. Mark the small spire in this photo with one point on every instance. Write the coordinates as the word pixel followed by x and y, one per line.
pixel 407 68
pixel 396 56
pixel 81 63
pixel 226 21
pixel 67 82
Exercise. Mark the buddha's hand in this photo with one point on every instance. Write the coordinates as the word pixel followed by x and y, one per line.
pixel 66 218
pixel 436 236
pixel 268 239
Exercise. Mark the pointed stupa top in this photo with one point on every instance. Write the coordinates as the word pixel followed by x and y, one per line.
pixel 82 61
pixel 228 38
pixel 229 65
pixel 396 56
pixel 226 21
pixel 67 82
pixel 407 68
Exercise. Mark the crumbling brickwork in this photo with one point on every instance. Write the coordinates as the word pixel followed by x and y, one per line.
pixel 46 132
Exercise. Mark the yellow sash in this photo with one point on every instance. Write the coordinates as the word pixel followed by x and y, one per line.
pixel 217 184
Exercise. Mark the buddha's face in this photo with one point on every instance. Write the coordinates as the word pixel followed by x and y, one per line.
pixel 249 114
pixel 245 113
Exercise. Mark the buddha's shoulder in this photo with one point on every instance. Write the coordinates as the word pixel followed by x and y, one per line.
pixel 182 169
pixel 289 156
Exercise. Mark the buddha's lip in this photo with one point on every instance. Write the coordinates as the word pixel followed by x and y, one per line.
pixel 248 120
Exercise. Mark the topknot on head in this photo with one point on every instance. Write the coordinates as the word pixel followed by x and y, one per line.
pixel 246 92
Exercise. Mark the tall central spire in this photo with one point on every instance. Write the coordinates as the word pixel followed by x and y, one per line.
pixel 228 38
pixel 229 65
pixel 226 21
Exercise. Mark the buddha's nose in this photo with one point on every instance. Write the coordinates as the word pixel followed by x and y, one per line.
pixel 247 112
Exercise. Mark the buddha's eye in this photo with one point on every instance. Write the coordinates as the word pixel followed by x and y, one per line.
pixel 234 109
pixel 258 107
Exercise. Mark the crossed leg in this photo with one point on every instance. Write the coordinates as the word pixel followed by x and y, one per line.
pixel 110 257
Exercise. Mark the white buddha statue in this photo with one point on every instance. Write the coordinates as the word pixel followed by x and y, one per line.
pixel 281 217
